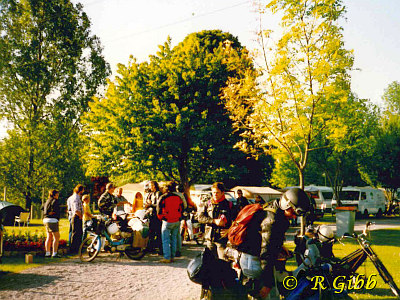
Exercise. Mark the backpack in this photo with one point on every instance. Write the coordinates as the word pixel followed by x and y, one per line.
pixel 238 231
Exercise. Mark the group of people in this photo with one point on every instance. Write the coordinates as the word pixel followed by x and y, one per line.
pixel 165 207
pixel 79 213
pixel 265 231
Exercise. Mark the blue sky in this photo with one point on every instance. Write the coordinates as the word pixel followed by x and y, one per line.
pixel 137 27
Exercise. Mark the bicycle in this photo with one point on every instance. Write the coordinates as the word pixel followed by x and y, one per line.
pixel 348 265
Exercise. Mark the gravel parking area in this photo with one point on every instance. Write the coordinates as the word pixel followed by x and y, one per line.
pixel 107 277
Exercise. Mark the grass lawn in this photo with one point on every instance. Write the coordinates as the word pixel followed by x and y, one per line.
pixel 17 264
pixel 36 226
pixel 386 244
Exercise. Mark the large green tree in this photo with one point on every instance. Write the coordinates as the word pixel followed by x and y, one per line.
pixel 164 119
pixel 50 68
pixel 304 85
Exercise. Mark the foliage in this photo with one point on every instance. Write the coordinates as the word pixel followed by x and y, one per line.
pixel 383 166
pixel 305 83
pixel 391 97
pixel 50 68
pixel 341 159
pixel 60 171
pixel 164 118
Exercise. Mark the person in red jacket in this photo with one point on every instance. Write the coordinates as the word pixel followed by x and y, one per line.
pixel 169 211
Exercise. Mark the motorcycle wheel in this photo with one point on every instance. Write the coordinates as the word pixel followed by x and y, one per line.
pixel 89 249
pixel 134 253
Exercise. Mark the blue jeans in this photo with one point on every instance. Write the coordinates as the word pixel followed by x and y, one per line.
pixel 169 235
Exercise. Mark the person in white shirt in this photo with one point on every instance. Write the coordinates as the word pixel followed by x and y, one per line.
pixel 75 214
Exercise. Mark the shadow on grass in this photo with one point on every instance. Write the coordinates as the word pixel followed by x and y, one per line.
pixel 20 282
pixel 385 237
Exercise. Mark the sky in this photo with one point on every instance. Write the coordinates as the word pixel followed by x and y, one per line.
pixel 133 27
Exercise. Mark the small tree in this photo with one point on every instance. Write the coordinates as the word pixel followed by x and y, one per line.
pixel 306 83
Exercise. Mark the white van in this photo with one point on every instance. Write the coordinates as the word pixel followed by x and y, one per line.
pixel 367 200
pixel 322 196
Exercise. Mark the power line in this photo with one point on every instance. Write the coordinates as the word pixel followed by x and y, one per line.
pixel 178 22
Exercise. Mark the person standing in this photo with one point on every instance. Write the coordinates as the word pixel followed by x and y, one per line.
pixel 51 216
pixel 241 201
pixel 169 211
pixel 121 200
pixel 75 213
pixel 179 191
pixel 107 202
pixel 87 214
pixel 155 224
pixel 217 214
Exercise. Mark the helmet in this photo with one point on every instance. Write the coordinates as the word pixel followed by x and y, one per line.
pixel 325 233
pixel 297 199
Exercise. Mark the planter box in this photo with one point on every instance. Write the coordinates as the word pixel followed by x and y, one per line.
pixel 345 218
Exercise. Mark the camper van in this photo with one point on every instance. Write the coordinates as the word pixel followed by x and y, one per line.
pixel 367 200
pixel 322 196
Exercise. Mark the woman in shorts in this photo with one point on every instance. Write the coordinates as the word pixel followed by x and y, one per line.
pixel 51 213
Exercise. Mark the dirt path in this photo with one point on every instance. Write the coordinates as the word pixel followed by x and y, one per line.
pixel 105 278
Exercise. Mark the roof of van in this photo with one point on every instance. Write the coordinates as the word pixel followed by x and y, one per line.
pixel 313 188
pixel 359 188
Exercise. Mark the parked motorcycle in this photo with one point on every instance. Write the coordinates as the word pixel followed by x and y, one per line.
pixel 241 287
pixel 105 234
pixel 191 229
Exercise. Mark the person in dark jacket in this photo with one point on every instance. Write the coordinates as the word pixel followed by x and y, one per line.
pixel 241 201
pixel 107 201
pixel 150 205
pixel 217 214
pixel 169 211
pixel 51 216
pixel 266 234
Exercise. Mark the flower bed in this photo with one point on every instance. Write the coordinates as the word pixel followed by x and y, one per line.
pixel 20 244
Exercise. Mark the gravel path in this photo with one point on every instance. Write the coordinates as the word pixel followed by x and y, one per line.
pixel 105 278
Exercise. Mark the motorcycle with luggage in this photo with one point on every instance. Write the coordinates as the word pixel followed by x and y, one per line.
pixel 123 236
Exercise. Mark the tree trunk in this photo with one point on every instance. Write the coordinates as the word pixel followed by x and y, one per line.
pixel 28 193
pixel 302 218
